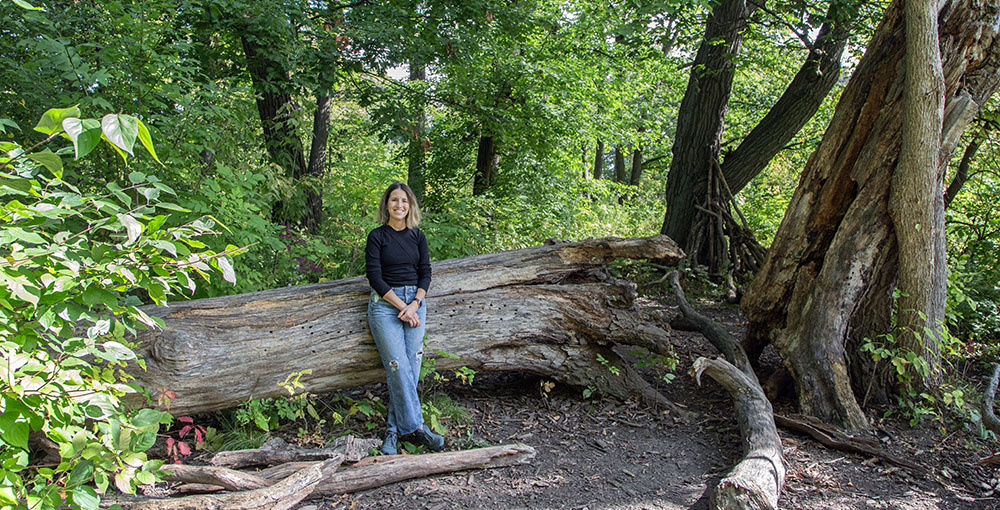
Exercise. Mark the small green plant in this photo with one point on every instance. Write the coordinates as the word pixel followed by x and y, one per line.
pixel 607 364
pixel 668 363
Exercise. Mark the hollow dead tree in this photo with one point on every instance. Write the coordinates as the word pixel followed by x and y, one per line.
pixel 549 310
pixel 828 279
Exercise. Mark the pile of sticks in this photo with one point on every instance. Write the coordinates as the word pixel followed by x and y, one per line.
pixel 718 241
pixel 294 474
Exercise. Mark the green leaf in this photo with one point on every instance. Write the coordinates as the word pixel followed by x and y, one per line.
pixel 147 141
pixel 14 433
pixel 18 186
pixel 51 121
pixel 8 123
pixel 132 227
pixel 26 5
pixel 146 418
pixel 121 131
pixel 81 473
pixel 7 496
pixel 85 133
pixel 49 160
pixel 86 497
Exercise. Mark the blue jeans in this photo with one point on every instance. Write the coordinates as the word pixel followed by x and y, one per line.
pixel 401 348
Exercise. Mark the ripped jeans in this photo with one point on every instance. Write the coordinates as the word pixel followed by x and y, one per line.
pixel 401 348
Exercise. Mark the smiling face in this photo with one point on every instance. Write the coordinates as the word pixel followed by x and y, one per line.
pixel 398 206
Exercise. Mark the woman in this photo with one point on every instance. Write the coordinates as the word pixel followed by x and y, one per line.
pixel 399 271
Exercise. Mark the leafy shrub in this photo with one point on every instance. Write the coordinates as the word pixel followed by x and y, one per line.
pixel 75 265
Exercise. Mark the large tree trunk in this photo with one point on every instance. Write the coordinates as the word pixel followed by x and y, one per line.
pixel 699 128
pixel 549 310
pixel 915 192
pixel 835 249
pixel 700 119
pixel 415 177
pixel 312 217
pixel 797 104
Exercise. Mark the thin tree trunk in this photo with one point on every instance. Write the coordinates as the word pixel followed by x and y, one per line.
pixel 621 174
pixel 836 242
pixel 916 186
pixel 797 104
pixel 962 174
pixel 313 216
pixel 415 177
pixel 487 161
pixel 599 160
pixel 636 167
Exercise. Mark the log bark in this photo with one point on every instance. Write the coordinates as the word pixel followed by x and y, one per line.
pixel 280 453
pixel 378 471
pixel 229 479
pixel 282 495
pixel 757 479
pixel 836 248
pixel 755 482
pixel 548 310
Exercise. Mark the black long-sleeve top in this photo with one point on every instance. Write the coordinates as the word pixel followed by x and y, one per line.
pixel 395 258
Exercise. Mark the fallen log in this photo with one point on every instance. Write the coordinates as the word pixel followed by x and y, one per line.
pixel 277 451
pixel 378 471
pixel 549 310
pixel 228 479
pixel 756 481
pixel 282 495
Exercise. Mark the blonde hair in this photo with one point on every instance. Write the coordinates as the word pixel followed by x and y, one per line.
pixel 412 216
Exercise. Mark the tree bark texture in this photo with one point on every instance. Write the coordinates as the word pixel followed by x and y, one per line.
pixel 636 174
pixel 313 215
pixel 915 190
pixel 599 160
pixel 701 114
pixel 797 104
pixel 547 310
pixel 836 244
pixel 415 159
pixel 487 161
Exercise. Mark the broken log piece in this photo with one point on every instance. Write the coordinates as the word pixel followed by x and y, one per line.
pixel 283 495
pixel 547 310
pixel 378 471
pixel 832 438
pixel 228 479
pixel 990 420
pixel 347 448
pixel 756 481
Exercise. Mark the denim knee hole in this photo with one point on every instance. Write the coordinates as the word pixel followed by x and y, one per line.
pixel 394 365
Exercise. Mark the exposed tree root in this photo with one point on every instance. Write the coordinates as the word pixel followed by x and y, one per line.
pixel 830 437
pixel 756 481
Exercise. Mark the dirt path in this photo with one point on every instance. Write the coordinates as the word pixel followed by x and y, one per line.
pixel 599 454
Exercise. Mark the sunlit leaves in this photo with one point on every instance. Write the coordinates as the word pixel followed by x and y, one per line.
pixel 85 133
pixel 120 130
pixel 51 121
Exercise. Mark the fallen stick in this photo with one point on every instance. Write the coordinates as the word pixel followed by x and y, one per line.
pixel 228 479
pixel 378 471
pixel 832 438
pixel 282 495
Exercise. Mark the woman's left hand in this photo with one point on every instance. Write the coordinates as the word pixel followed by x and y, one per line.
pixel 409 314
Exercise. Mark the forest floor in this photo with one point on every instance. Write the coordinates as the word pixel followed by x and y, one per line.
pixel 602 454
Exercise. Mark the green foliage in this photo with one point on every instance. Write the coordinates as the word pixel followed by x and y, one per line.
pixel 75 266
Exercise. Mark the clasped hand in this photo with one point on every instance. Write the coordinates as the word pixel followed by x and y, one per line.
pixel 409 314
